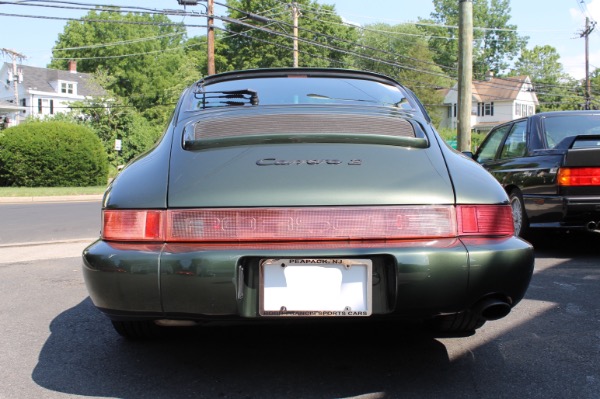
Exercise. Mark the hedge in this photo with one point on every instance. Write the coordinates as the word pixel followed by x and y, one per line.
pixel 51 154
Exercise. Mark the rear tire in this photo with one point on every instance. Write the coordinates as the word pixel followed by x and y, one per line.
pixel 520 220
pixel 137 329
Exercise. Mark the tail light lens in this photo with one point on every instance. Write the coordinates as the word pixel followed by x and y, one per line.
pixel 579 177
pixel 133 225
pixel 306 224
pixel 485 220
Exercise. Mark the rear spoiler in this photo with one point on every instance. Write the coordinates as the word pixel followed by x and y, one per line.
pixel 582 151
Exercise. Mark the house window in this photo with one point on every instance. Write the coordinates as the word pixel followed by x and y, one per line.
pixel 455 110
pixel 66 88
pixel 488 109
pixel 45 106
pixel 24 104
pixel 517 109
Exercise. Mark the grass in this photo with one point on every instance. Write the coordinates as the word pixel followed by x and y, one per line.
pixel 49 191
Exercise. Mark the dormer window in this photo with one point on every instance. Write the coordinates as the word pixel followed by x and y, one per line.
pixel 67 88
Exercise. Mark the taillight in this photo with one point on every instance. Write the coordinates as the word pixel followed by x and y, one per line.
pixel 320 223
pixel 133 225
pixel 307 224
pixel 485 220
pixel 579 177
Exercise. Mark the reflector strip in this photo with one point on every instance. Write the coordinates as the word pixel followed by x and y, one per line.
pixel 293 224
pixel 579 177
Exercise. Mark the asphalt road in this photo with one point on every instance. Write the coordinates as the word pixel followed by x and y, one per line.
pixel 56 345
pixel 41 222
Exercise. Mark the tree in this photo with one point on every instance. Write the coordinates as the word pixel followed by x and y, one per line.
pixel 496 42
pixel 323 40
pixel 144 54
pixel 402 52
pixel 595 84
pixel 553 87
pixel 122 122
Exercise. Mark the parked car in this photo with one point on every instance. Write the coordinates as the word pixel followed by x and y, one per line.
pixel 285 195
pixel 549 164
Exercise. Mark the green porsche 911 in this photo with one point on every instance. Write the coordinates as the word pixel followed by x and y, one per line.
pixel 304 194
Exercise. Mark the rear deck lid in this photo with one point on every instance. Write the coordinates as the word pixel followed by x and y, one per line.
pixel 306 159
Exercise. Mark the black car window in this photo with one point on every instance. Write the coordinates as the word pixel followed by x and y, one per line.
pixel 516 142
pixel 558 128
pixel 489 148
pixel 300 90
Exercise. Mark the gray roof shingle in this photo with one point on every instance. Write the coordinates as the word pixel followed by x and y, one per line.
pixel 40 78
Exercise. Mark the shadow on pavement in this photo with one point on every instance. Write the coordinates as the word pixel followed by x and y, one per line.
pixel 84 356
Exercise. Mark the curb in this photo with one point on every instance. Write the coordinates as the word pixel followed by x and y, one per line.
pixel 49 243
pixel 58 198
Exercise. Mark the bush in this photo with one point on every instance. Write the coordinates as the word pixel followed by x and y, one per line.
pixel 52 154
pixel 450 136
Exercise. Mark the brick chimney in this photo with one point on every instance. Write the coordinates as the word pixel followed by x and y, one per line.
pixel 72 66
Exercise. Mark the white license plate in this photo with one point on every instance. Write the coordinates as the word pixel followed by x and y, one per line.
pixel 321 287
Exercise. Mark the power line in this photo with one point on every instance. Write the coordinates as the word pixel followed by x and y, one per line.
pixel 108 21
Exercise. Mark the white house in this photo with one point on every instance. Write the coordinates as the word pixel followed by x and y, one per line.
pixel 495 101
pixel 42 91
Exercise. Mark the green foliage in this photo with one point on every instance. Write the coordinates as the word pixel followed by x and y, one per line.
pixel 143 54
pixel 119 121
pixel 553 87
pixel 51 154
pixel 407 59
pixel 197 54
pixel 496 42
pixel 247 47
pixel 450 135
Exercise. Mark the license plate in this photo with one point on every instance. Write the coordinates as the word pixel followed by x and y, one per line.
pixel 315 287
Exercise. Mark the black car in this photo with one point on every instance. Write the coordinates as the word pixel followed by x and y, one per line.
pixel 549 164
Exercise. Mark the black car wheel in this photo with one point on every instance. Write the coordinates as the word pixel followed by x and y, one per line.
pixel 137 329
pixel 518 212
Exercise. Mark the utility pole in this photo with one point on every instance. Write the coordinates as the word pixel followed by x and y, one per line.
pixel 295 16
pixel 16 75
pixel 588 87
pixel 465 74
pixel 210 38
pixel 210 34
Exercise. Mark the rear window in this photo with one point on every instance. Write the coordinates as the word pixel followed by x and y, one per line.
pixel 298 90
pixel 559 128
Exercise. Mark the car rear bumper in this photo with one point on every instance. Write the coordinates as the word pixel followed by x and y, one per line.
pixel 564 212
pixel 416 279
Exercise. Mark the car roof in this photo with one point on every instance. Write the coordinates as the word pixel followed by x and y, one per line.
pixel 565 113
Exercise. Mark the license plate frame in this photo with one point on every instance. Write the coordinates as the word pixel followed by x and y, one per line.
pixel 315 287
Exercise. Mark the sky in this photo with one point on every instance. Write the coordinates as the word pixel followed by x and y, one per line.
pixel 558 23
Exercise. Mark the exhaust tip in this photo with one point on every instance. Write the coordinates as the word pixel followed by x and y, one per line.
pixel 592 226
pixel 492 309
